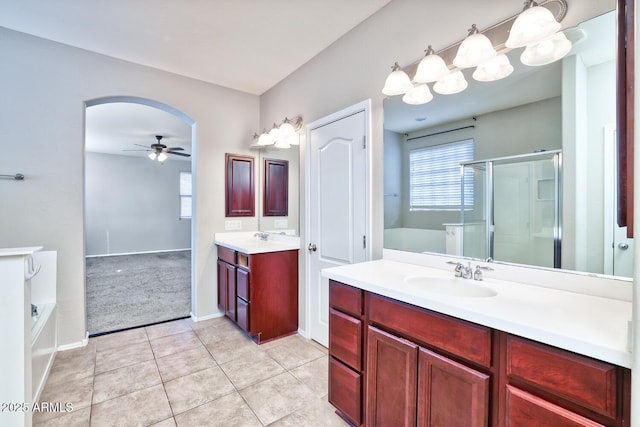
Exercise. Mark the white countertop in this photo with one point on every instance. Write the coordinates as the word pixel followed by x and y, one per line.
pixel 247 243
pixel 591 325
pixel 19 251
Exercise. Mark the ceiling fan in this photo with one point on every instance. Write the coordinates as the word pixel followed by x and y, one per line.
pixel 159 151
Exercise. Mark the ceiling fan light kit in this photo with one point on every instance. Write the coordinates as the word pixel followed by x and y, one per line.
pixel 536 28
pixel 158 151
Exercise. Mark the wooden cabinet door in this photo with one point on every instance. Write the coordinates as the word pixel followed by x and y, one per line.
pixel 222 286
pixel 450 394
pixel 239 189
pixel 231 291
pixel 526 410
pixel 392 367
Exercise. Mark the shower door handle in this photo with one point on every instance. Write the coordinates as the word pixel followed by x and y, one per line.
pixel 623 246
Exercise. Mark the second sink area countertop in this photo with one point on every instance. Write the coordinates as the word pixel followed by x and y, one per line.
pixel 587 324
pixel 248 243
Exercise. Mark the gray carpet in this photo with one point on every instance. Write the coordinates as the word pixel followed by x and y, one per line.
pixel 125 291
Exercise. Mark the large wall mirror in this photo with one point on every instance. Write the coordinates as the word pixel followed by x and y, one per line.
pixel 288 224
pixel 540 184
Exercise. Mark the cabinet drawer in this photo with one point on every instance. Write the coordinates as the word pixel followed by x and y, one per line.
pixel 243 314
pixel 345 390
pixel 345 338
pixel 466 340
pixel 242 283
pixel 579 379
pixel 346 298
pixel 526 410
pixel 227 255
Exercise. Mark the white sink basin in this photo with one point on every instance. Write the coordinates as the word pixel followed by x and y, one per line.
pixel 453 286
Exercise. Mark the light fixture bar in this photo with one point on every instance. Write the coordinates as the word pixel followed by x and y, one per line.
pixel 497 34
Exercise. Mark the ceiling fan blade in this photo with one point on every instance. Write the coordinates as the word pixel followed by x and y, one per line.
pixel 136 150
pixel 175 149
pixel 179 154
pixel 140 145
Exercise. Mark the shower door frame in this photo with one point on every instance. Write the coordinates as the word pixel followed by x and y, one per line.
pixel 556 155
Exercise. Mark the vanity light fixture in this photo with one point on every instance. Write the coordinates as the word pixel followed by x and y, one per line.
pixel 397 83
pixel 431 69
pixel 536 28
pixel 474 50
pixel 281 136
pixel 494 69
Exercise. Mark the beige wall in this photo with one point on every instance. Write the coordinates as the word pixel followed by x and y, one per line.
pixel 45 87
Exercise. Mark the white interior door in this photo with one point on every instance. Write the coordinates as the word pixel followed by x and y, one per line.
pixel 337 201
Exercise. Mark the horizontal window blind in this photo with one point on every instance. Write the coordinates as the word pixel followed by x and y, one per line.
pixel 434 176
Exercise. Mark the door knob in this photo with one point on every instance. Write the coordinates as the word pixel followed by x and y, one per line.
pixel 623 246
pixel 312 247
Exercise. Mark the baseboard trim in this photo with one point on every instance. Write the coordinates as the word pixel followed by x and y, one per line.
pixel 76 344
pixel 207 317
pixel 304 333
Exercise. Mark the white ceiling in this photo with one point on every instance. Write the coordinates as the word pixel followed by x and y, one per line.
pixel 248 45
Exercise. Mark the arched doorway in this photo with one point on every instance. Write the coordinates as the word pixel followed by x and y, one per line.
pixel 138 225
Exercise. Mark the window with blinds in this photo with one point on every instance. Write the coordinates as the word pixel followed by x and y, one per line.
pixel 434 176
pixel 185 195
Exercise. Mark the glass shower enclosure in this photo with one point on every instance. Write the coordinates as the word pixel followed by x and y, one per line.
pixel 512 208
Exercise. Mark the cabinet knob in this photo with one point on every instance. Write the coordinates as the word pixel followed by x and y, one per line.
pixel 312 247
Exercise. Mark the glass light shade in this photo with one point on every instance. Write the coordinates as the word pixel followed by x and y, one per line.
pixel 532 25
pixel 546 51
pixel 450 84
pixel 265 139
pixel 162 157
pixel 473 51
pixel 418 95
pixel 494 69
pixel 286 129
pixel 432 68
pixel 153 155
pixel 282 143
pixel 293 139
pixel 397 82
pixel 274 133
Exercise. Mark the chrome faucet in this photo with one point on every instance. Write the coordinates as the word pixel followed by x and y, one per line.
pixel 262 236
pixel 461 270
pixel 477 275
pixel 466 272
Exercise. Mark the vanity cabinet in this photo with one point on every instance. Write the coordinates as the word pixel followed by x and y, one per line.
pixel 346 341
pixel 545 385
pixel 259 292
pixel 227 282
pixel 424 368
pixel 392 363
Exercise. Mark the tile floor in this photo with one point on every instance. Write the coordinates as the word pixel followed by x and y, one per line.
pixel 183 373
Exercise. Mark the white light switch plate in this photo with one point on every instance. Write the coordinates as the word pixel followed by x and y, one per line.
pixel 235 224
